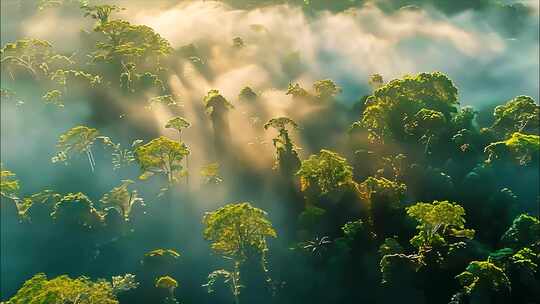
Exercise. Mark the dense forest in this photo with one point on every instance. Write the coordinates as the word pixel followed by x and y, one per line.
pixel 270 151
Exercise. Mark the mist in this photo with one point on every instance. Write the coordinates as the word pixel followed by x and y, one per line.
pixel 282 44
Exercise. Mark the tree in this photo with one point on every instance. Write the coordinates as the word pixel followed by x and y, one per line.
pixel 169 284
pixel 524 231
pixel 297 92
pixel 375 81
pixel 383 197
pixel 217 107
pixel 38 59
pixel 238 232
pixel 160 262
pixel 286 156
pixel 162 156
pixel 437 221
pixel 129 43
pixel 521 114
pixel 426 125
pixel 523 149
pixel 247 94
pixel 64 290
pixel 76 210
pixel 398 268
pixel 465 119
pixel 483 281
pixel 390 106
pixel 9 185
pixel 179 124
pixel 326 89
pixel 324 173
pixel 101 13
pixel 76 140
pixel 210 174
pixel 30 55
pixel 121 198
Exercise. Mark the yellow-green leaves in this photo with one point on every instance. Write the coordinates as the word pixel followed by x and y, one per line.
pixel 30 55
pixel 122 198
pixel 75 210
pixel 436 221
pixel 286 156
pixel 523 148
pixel 130 42
pixel 483 276
pixel 280 123
pixel 63 289
pixel 524 231
pixel 521 114
pixel 177 123
pixel 100 12
pixel 9 185
pixel 77 140
pixel 325 172
pixel 166 282
pixel 326 89
pixel 210 174
pixel 215 102
pixel 238 230
pixel 162 156
pixel 247 94
pixel 392 104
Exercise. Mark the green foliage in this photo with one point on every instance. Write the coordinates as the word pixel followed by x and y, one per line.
pixel 392 105
pixel 215 103
pixel 166 282
pixel 437 221
pixel 167 100
pixel 210 174
pixel 325 173
pixel 465 118
pixel 76 210
pixel 426 124
pixel 522 148
pixel 483 276
pixel 521 114
pixel 9 185
pixel 124 283
pixel 238 230
pixel 326 89
pixel 62 290
pixel 76 140
pixel 100 13
pixel 122 198
pixel 375 81
pixel 297 92
pixel 38 59
pixel 231 278
pixel 374 190
pixel 162 156
pixel 287 159
pixel 247 94
pixel 177 123
pixel 30 55
pixel 524 231
pixel 161 260
pixel 396 268
pixel 390 246
pixel 126 42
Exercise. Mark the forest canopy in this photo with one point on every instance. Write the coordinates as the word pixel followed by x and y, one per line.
pixel 269 151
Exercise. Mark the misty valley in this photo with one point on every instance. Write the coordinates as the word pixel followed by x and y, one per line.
pixel 270 151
